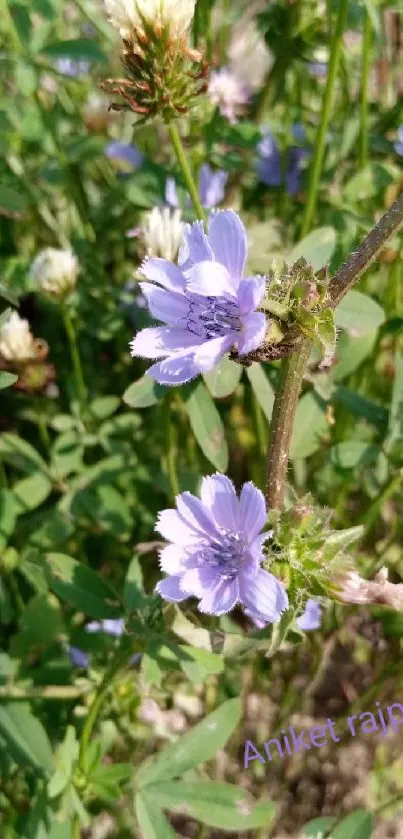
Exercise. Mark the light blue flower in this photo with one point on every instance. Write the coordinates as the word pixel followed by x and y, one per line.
pixel 311 616
pixel 126 156
pixel 399 143
pixel 211 188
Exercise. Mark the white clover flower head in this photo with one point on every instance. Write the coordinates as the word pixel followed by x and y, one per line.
pixel 229 93
pixel 55 271
pixel 17 343
pixel 126 15
pixel 163 232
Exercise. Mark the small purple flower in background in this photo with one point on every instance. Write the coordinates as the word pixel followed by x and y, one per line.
pixel 78 657
pixel 109 626
pixel 318 69
pixel 311 616
pixel 215 551
pixel 269 164
pixel 229 93
pixel 399 143
pixel 72 67
pixel 211 188
pixel 126 156
pixel 208 307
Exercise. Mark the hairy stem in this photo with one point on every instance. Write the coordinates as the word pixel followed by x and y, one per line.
pixel 285 405
pixel 186 171
pixel 348 274
pixel 327 103
pixel 366 67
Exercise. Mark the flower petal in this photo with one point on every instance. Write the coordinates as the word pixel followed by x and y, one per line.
pixel 210 279
pixel 165 305
pixel 208 354
pixel 174 559
pixel 252 508
pixel 164 273
pixel 227 237
pixel 211 186
pixel 159 341
pixel 221 599
pixel 175 370
pixel 260 595
pixel 250 293
pixel 170 589
pixel 253 332
pixel 311 616
pixel 171 193
pixel 218 495
pixel 199 581
pixel 195 514
pixel 174 529
pixel 195 246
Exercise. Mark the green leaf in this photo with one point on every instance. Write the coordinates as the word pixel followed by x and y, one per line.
pixel 395 432
pixel 206 424
pixel 21 454
pixel 353 453
pixel 152 822
pixel 310 427
pixel 326 333
pixel 262 388
pixel 357 825
pixel 317 248
pixel 80 49
pixel 143 393
pixel 8 516
pixel 7 379
pixel 198 664
pixel 369 182
pixel 351 352
pixel 359 313
pixel 41 624
pixel 316 826
pixel 219 805
pixel 31 492
pixel 104 406
pixel 81 587
pixel 133 595
pixel 12 203
pixel 25 736
pixel 361 406
pixel 195 747
pixel 224 378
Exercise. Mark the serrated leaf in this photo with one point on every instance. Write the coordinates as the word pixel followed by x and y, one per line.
pixel 224 378
pixel 359 312
pixel 26 738
pixel 219 805
pixel 143 393
pixel 262 388
pixel 206 424
pixel 80 586
pixel 317 248
pixel 195 747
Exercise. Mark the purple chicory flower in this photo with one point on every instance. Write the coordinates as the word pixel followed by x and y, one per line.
pixel 78 657
pixel 311 616
pixel 211 188
pixel 215 551
pixel 72 67
pixel 208 307
pixel 126 156
pixel 269 163
pixel 398 146
pixel 318 69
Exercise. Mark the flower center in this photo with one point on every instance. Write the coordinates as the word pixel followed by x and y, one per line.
pixel 224 554
pixel 213 317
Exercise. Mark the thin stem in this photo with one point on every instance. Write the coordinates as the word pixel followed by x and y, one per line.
pixel 366 67
pixel 361 259
pixel 285 406
pixel 75 356
pixel 14 693
pixel 328 96
pixel 186 171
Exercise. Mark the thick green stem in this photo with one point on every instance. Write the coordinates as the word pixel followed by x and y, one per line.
pixel 366 67
pixel 348 274
pixel 75 357
pixel 327 103
pixel 186 171
pixel 285 406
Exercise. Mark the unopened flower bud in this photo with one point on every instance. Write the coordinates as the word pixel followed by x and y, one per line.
pixel 127 15
pixel 163 232
pixel 17 344
pixel 55 272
